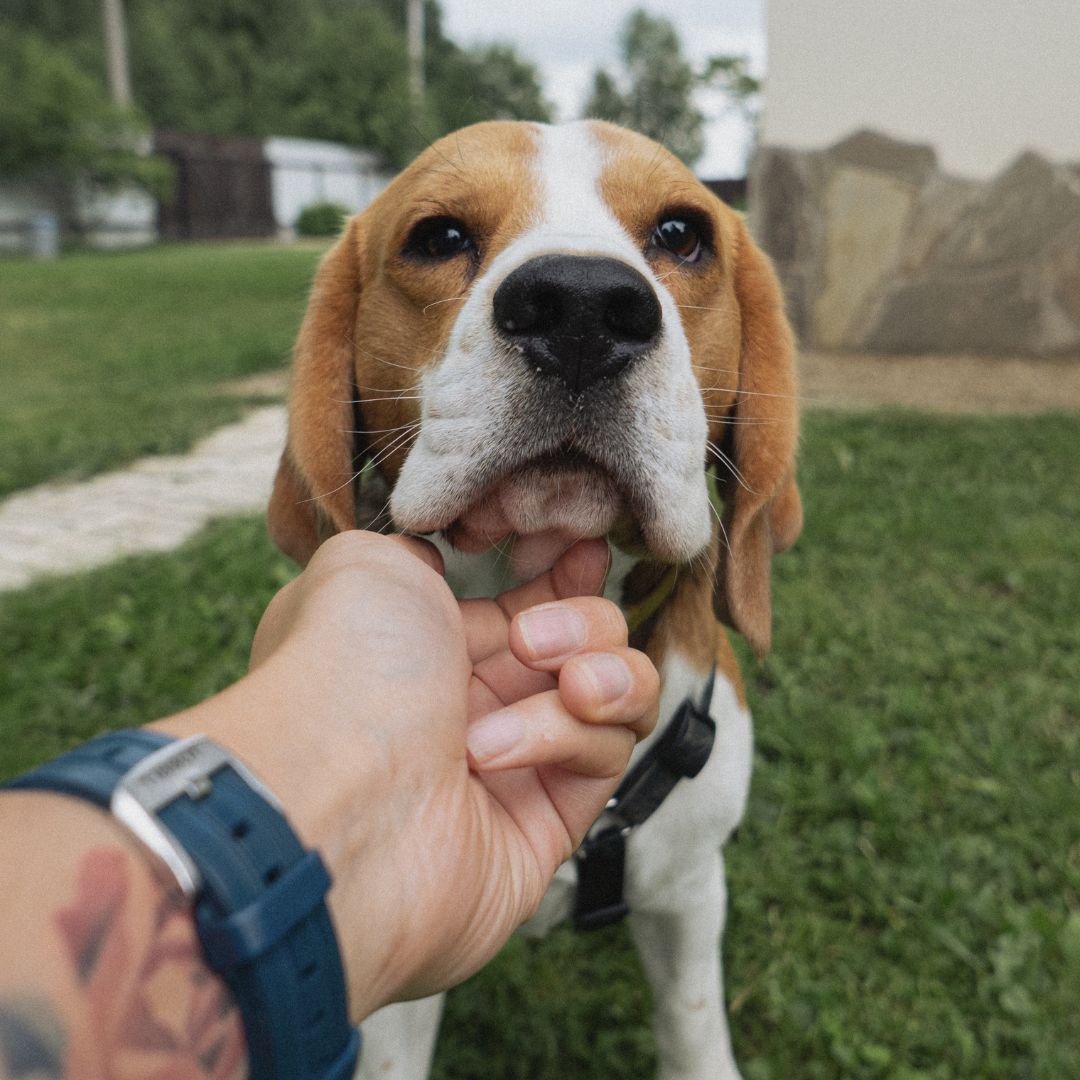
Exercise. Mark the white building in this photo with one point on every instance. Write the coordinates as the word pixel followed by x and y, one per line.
pixel 306 171
pixel 105 219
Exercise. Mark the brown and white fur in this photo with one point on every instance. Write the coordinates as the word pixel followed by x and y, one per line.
pixel 474 432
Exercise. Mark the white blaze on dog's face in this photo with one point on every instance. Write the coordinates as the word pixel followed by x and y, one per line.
pixel 545 327
pixel 565 401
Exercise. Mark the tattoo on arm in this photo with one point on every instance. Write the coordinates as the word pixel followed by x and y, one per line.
pixel 31 1042
pixel 145 1002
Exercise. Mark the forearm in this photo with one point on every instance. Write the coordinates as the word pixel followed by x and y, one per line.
pixel 102 973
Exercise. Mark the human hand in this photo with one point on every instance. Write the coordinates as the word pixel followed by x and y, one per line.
pixel 444 757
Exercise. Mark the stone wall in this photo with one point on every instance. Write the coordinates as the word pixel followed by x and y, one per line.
pixel 880 251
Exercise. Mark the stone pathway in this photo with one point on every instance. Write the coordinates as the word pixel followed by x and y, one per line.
pixel 154 505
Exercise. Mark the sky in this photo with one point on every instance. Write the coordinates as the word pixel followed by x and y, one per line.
pixel 568 39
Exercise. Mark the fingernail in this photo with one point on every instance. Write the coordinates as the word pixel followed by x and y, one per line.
pixel 494 734
pixel 609 674
pixel 552 631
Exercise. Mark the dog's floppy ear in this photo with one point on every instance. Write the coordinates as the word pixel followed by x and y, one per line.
pixel 762 508
pixel 314 489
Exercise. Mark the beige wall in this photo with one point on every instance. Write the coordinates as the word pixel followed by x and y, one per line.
pixel 980 80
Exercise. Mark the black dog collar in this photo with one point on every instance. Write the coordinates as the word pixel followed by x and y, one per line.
pixel 681 751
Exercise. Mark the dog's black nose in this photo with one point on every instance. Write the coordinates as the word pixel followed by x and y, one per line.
pixel 581 318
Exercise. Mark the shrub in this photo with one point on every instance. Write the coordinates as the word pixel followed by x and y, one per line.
pixel 321 219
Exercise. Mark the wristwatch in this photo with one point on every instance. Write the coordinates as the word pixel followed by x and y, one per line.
pixel 258 896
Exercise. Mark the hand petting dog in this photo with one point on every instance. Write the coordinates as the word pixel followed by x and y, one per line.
pixel 527 707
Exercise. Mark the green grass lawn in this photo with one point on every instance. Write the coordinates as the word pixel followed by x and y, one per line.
pixel 106 357
pixel 906 887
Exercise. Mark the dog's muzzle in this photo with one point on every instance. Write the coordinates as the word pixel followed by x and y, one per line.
pixel 577 318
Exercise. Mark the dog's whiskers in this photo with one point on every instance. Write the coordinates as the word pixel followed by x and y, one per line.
pixel 391 363
pixel 719 521
pixel 384 511
pixel 739 392
pixel 366 353
pixel 722 457
pixel 401 393
pixel 447 300
pixel 720 370
pixel 334 490
pixel 382 431
pixel 393 445
pixel 368 401
pixel 719 415
pixel 701 559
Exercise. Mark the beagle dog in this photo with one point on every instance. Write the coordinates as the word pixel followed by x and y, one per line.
pixel 540 333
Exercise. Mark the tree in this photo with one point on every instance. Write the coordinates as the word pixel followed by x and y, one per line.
pixel 323 69
pixel 213 66
pixel 464 86
pixel 57 123
pixel 731 75
pixel 490 82
pixel 654 92
pixel 347 82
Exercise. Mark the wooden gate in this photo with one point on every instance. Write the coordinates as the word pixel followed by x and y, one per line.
pixel 222 187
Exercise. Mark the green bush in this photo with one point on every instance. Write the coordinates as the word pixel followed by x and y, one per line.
pixel 322 219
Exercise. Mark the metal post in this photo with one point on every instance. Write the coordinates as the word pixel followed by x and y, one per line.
pixel 415 38
pixel 116 52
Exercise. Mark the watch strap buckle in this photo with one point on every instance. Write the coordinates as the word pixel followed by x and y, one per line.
pixel 182 768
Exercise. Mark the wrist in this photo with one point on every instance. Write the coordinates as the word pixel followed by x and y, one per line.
pixel 257 894
pixel 316 773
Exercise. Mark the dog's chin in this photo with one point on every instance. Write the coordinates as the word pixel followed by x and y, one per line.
pixel 546 506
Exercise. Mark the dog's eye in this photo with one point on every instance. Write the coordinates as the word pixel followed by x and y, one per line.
pixel 680 237
pixel 439 238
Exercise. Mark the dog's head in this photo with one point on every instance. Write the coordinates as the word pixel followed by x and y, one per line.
pixel 551 333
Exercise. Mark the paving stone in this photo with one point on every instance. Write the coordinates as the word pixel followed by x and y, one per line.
pixel 153 505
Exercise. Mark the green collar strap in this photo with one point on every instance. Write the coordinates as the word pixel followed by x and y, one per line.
pixel 639 613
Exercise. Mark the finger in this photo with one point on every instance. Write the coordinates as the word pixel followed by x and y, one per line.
pixel 509 680
pixel 580 571
pixel 515 662
pixel 356 546
pixel 486 628
pixel 482 699
pixel 551 808
pixel 540 731
pixel 544 636
pixel 618 686
pixel 424 550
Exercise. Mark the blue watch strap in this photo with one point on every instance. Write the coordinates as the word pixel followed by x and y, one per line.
pixel 260 909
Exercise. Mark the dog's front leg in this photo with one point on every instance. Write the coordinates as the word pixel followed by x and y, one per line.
pixel 399 1040
pixel 679 945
